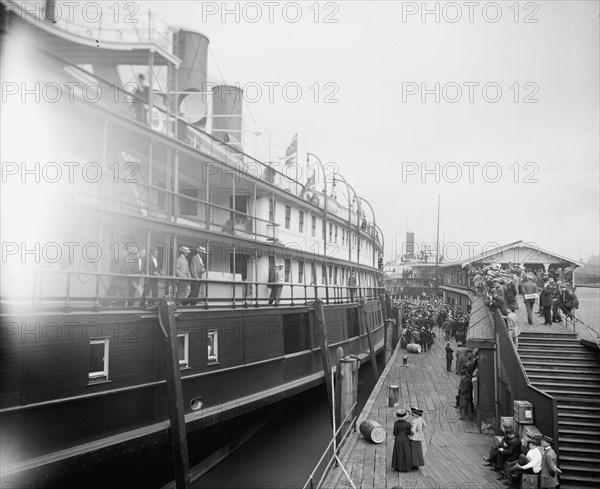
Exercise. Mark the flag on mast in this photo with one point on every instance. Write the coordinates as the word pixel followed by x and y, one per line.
pixel 291 153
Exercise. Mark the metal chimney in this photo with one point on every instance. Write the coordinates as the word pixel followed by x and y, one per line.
pixel 192 49
pixel 227 114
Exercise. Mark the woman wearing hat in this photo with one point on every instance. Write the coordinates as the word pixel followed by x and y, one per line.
pixel 416 438
pixel 401 456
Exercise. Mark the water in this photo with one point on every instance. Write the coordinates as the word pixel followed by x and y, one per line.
pixel 284 452
pixel 589 310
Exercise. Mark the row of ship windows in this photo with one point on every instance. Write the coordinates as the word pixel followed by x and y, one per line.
pixel 100 354
pixel 335 273
pixel 333 228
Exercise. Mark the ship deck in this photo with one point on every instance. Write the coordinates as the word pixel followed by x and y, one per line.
pixel 453 449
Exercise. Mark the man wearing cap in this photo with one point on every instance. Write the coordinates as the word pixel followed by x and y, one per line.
pixel 277 285
pixel 197 270
pixel 549 469
pixel 528 464
pixel 511 452
pixel 567 301
pixel 182 271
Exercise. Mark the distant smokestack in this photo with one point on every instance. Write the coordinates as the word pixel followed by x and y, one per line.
pixel 410 245
pixel 227 114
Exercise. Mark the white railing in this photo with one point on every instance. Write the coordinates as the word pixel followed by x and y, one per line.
pixel 102 21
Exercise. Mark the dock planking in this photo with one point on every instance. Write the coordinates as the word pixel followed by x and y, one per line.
pixel 453 448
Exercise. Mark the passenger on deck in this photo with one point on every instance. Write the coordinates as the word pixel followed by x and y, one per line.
pixel 461 358
pixel 567 301
pixel 528 464
pixel 449 357
pixel 416 438
pixel 465 396
pixel 401 456
pixel 513 325
pixel 546 302
pixel 508 451
pixel 529 289
pixel 549 468
pixel 277 285
pixel 197 270
pixel 182 271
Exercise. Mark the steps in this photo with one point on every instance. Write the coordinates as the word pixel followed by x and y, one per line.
pixel 561 366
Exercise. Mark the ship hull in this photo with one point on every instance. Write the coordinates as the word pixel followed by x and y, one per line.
pixel 59 420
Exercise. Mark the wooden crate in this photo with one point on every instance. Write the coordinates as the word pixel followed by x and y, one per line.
pixel 523 412
pixel 528 430
pixel 529 481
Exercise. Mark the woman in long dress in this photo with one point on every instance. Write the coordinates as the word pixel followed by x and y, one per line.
pixel 401 457
pixel 416 438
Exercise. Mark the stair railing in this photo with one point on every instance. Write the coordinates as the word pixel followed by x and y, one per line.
pixel 544 405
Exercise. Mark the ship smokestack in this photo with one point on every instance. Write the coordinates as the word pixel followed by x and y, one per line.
pixel 227 114
pixel 192 49
pixel 410 245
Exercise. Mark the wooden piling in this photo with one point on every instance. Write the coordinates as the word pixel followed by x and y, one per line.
pixel 389 341
pixel 166 318
pixel 363 320
pixel 322 329
pixel 348 388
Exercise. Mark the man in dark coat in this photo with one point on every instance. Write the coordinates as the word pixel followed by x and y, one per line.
pixel 465 396
pixel 567 301
pixel 549 468
pixel 546 300
pixel 449 357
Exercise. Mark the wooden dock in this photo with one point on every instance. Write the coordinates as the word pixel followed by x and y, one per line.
pixel 453 448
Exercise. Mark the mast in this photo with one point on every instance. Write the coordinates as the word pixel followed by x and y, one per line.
pixel 437 250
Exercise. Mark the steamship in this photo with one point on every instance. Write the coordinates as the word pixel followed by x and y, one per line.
pixel 94 172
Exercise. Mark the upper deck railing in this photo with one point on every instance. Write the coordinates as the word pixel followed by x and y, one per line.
pixel 117 291
pixel 102 21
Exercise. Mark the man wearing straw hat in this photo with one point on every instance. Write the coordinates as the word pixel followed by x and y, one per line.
pixel 197 270
pixel 182 271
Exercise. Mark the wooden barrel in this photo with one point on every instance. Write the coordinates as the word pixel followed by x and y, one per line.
pixel 372 431
pixel 413 348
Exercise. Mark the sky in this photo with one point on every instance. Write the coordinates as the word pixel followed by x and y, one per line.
pixel 504 98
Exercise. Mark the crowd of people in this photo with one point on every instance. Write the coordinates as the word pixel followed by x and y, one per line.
pixel 501 286
pixel 419 320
